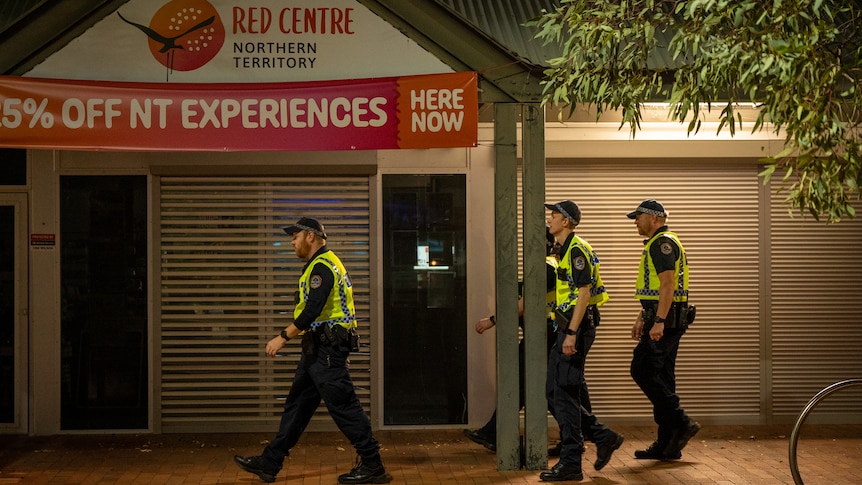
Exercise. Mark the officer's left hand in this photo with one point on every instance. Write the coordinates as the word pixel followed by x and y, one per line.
pixel 274 345
pixel 569 345
pixel 484 324
pixel 657 331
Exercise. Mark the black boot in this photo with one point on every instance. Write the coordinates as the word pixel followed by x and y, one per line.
pixel 562 473
pixel 256 465
pixel 366 471
pixel 606 450
pixel 656 452
pixel 680 438
pixel 477 436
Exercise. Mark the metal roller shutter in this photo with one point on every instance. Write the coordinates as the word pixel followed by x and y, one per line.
pixel 228 276
pixel 816 312
pixel 713 206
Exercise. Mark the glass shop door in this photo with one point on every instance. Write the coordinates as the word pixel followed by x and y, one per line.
pixel 13 313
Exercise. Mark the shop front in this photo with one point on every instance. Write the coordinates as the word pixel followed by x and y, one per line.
pixel 163 178
pixel 143 266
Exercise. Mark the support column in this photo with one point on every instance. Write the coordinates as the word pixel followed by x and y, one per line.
pixel 536 361
pixel 506 261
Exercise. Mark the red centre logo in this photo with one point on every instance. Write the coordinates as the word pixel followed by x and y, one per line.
pixel 184 35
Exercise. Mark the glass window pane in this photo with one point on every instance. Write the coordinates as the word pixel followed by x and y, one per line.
pixel 7 314
pixel 425 330
pixel 104 308
pixel 13 166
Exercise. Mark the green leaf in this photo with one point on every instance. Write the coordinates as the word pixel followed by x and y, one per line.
pixel 767 172
pixel 784 153
pixel 795 60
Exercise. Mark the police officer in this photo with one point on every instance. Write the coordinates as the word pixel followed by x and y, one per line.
pixel 662 288
pixel 326 319
pixel 580 292
pixel 487 434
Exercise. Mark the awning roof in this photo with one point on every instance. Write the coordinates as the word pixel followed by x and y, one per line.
pixel 486 36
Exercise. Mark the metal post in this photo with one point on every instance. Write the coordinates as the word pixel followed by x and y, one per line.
pixel 535 310
pixel 506 249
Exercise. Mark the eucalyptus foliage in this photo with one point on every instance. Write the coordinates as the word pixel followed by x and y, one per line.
pixel 798 60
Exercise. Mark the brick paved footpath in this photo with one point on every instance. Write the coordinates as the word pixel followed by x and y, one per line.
pixel 717 455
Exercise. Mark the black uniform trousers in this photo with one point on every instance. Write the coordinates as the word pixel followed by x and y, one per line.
pixel 653 368
pixel 569 397
pixel 323 376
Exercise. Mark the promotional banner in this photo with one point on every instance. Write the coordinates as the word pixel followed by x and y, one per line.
pixel 423 111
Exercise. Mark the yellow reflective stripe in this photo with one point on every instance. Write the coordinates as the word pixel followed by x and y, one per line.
pixel 647 286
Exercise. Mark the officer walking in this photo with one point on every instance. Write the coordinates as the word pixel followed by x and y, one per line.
pixel 662 288
pixel 326 319
pixel 580 291
pixel 487 434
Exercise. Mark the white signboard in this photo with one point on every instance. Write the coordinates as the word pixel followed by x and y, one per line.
pixel 239 41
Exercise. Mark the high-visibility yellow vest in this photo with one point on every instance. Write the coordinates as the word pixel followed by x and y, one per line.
pixel 647 286
pixel 567 293
pixel 339 308
pixel 551 296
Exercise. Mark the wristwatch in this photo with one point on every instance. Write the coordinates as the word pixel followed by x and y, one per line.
pixel 283 335
pixel 569 331
pixel 659 320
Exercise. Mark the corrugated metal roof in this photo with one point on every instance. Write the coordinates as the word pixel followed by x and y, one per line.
pixel 12 10
pixel 503 20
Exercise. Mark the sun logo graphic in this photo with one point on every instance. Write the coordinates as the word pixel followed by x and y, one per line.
pixel 183 35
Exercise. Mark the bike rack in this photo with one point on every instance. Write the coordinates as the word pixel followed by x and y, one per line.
pixel 794 436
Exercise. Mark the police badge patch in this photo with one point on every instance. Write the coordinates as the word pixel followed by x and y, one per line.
pixel 315 282
pixel 580 263
pixel 666 248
